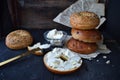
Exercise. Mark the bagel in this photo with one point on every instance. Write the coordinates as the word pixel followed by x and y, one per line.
pixel 81 47
pixel 90 36
pixel 84 20
pixel 62 61
pixel 18 39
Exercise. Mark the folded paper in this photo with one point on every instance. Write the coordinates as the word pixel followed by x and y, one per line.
pixel 81 5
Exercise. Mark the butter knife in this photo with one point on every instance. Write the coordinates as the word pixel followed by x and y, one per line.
pixel 17 57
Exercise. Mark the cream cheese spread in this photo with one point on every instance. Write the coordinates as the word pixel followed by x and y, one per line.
pixel 55 61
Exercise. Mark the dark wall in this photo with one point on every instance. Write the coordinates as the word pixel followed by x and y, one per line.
pixel 5 20
pixel 113 19
pixel 112 25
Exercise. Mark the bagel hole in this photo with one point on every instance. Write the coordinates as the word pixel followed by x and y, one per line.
pixel 63 57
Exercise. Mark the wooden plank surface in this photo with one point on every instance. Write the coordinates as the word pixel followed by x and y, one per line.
pixel 40 13
pixel 32 68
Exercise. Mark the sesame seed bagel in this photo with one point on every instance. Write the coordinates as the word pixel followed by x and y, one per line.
pixel 18 39
pixel 84 20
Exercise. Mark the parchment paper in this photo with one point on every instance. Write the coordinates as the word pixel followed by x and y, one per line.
pixel 81 5
pixel 85 5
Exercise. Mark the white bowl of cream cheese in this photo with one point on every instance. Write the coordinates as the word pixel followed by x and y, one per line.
pixel 55 37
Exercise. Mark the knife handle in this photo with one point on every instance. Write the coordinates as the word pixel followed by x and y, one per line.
pixel 13 59
pixel 17 57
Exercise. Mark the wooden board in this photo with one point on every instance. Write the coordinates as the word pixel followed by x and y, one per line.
pixel 38 13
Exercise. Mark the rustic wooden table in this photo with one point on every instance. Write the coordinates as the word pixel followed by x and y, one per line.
pixel 32 67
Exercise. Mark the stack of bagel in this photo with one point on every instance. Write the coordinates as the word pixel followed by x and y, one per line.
pixel 84 32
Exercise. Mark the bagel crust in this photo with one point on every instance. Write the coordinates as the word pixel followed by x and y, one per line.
pixel 90 36
pixel 62 62
pixel 84 20
pixel 81 47
pixel 18 39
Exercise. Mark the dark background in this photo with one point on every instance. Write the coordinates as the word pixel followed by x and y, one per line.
pixel 111 26
pixel 32 67
pixel 5 19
